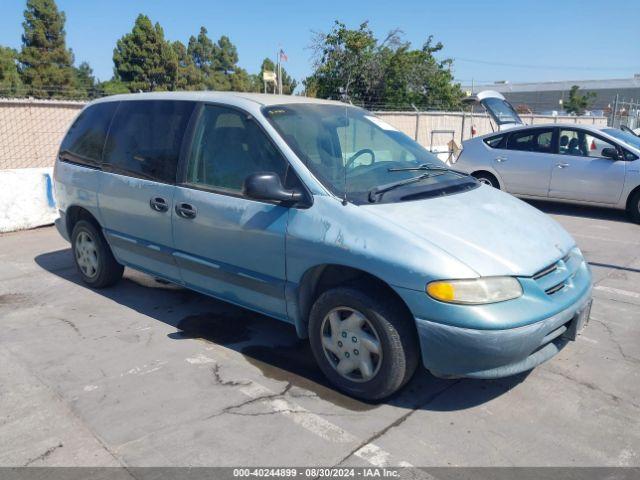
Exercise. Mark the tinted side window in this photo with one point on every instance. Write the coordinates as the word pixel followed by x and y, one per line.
pixel 582 144
pixel 87 135
pixel 495 142
pixel 145 138
pixel 531 141
pixel 227 147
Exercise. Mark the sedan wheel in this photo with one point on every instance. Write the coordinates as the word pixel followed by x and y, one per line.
pixel 486 179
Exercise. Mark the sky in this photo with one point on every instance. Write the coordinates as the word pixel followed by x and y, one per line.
pixel 489 40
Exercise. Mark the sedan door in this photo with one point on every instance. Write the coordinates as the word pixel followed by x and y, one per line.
pixel 227 245
pixel 525 162
pixel 582 173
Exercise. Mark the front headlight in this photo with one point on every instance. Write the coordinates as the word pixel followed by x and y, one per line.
pixel 475 291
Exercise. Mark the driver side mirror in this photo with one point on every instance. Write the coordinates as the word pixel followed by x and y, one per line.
pixel 267 186
pixel 610 152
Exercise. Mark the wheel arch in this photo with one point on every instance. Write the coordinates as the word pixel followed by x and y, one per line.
pixel 321 278
pixel 76 213
pixel 488 172
pixel 631 194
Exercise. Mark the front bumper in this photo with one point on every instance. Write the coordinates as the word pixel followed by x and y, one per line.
pixel 453 352
pixel 504 338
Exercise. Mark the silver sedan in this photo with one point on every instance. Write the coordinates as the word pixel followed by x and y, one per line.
pixel 567 163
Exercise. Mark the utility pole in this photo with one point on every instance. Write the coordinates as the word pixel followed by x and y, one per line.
pixel 615 109
pixel 277 87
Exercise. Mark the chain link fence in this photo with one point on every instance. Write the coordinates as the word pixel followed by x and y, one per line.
pixel 625 113
pixel 31 130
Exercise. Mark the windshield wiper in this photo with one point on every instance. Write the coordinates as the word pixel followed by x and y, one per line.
pixel 374 193
pixel 425 166
pixel 430 167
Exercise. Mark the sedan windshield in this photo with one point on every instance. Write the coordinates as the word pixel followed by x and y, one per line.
pixel 626 137
pixel 361 158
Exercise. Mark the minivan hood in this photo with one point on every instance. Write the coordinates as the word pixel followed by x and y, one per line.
pixel 490 231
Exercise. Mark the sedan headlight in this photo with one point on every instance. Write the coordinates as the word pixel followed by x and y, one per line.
pixel 475 291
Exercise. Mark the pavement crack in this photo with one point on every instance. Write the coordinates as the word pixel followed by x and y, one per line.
pixel 43 455
pixel 610 332
pixel 70 324
pixel 591 386
pixel 397 422
pixel 225 383
pixel 231 409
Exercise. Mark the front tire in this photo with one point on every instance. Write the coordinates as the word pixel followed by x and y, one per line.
pixel 366 345
pixel 633 207
pixel 92 255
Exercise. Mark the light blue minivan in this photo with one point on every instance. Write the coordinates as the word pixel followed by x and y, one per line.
pixel 322 215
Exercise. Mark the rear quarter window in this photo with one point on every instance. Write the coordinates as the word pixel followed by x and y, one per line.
pixel 145 138
pixel 85 139
pixel 495 142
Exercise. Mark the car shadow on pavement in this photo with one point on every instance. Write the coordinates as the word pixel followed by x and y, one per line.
pixel 269 344
pixel 584 211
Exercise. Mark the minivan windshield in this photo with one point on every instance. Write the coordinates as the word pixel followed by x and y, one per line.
pixel 361 158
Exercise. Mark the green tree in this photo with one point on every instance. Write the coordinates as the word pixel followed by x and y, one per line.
pixel 578 103
pixel 144 60
pixel 217 61
pixel 226 56
pixel 416 77
pixel 45 62
pixel 85 82
pixel 390 73
pixel 113 87
pixel 189 77
pixel 343 59
pixel 10 83
pixel 202 50
pixel 241 81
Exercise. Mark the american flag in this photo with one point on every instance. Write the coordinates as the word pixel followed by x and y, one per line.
pixel 283 56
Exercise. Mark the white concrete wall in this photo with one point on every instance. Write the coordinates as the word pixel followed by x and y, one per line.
pixel 26 198
pixel 460 124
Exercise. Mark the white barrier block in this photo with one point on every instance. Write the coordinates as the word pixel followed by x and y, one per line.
pixel 26 198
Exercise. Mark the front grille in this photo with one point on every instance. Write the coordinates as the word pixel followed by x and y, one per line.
pixel 555 277
pixel 545 271
pixel 555 288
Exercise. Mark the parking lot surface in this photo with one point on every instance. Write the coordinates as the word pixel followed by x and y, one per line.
pixel 147 374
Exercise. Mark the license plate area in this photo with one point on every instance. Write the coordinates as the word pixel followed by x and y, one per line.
pixel 579 321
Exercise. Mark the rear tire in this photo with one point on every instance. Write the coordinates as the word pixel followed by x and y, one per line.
pixel 92 256
pixel 385 327
pixel 633 207
pixel 487 178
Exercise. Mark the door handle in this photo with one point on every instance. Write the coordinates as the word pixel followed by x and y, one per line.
pixel 158 204
pixel 562 165
pixel 501 159
pixel 186 210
